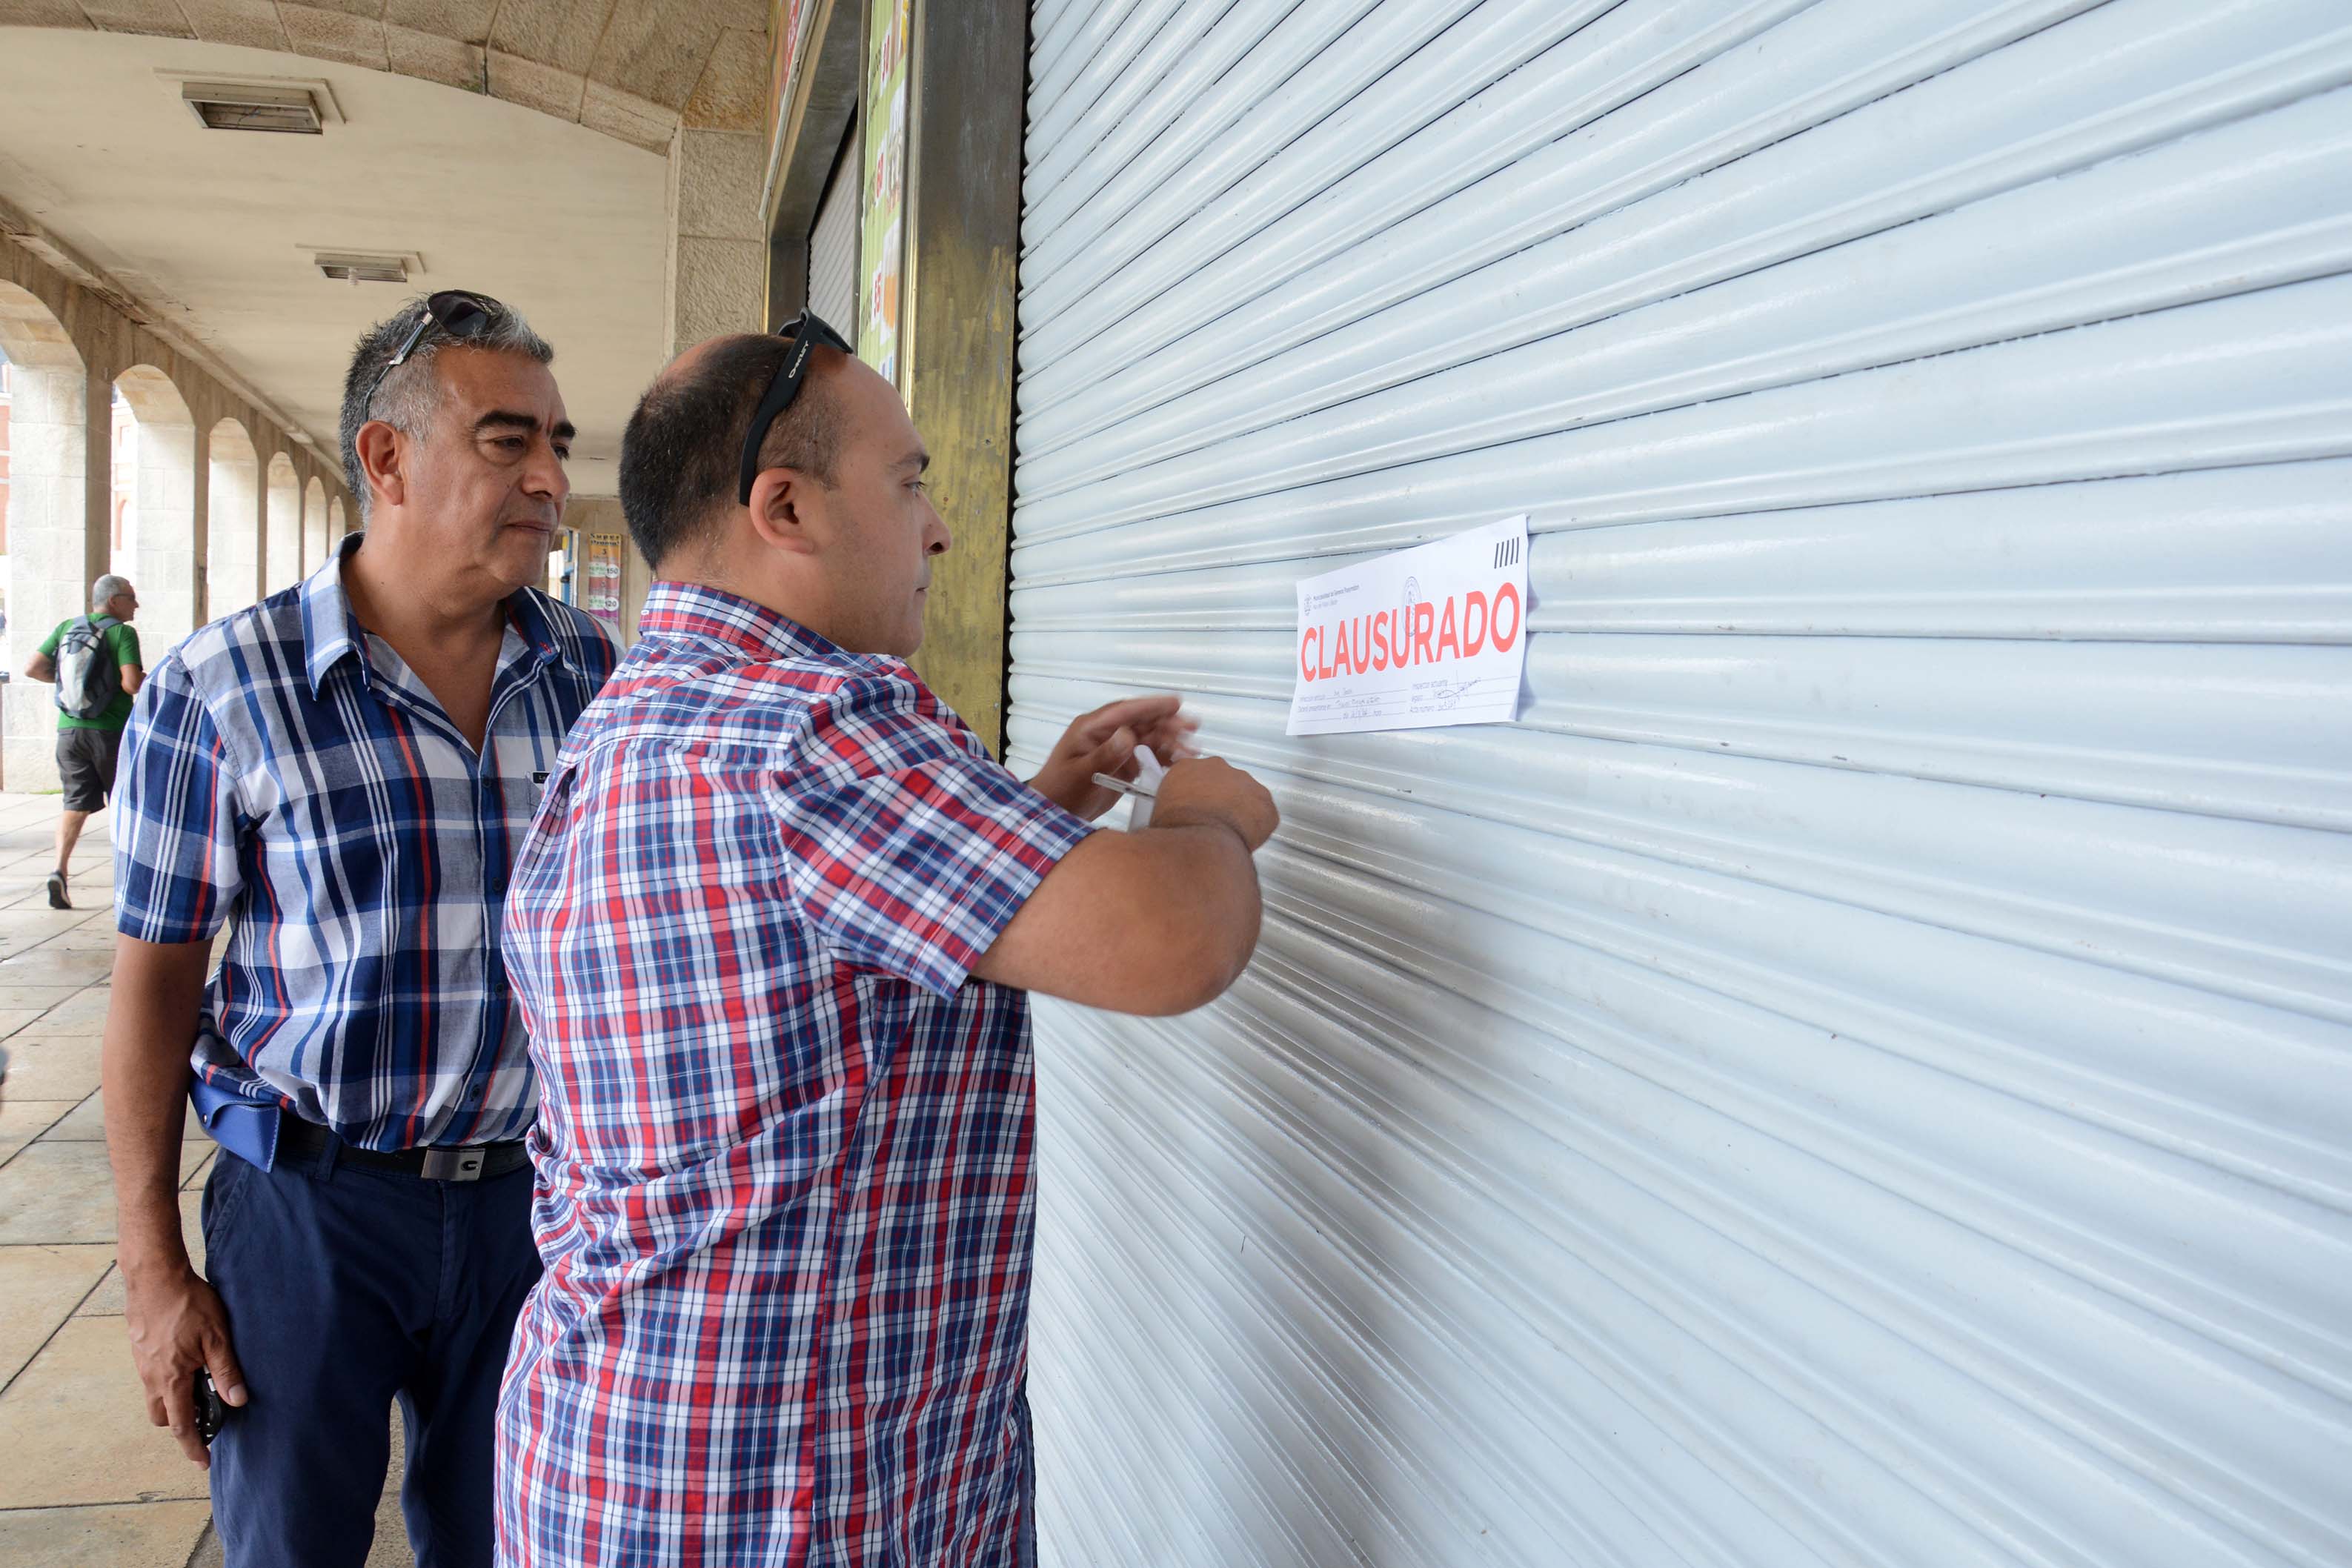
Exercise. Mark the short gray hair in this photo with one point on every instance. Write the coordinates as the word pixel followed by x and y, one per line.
pixel 106 588
pixel 411 394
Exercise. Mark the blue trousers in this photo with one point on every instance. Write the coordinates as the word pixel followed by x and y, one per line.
pixel 347 1288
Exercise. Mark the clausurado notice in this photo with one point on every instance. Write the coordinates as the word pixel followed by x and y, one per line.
pixel 1432 636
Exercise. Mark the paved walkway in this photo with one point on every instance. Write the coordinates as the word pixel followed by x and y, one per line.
pixel 87 1481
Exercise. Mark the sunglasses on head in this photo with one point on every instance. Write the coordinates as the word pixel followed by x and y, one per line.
pixel 782 387
pixel 460 315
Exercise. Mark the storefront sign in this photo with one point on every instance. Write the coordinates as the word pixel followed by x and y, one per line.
pixel 1432 636
pixel 598 579
pixel 785 47
pixel 882 247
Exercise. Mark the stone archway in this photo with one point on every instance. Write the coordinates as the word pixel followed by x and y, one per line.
pixel 233 553
pixel 337 527
pixel 48 547
pixel 159 545
pixel 281 561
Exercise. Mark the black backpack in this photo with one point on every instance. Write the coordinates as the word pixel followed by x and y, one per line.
pixel 89 680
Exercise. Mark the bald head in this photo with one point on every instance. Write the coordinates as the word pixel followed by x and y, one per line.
pixel 685 363
pixel 838 531
pixel 683 446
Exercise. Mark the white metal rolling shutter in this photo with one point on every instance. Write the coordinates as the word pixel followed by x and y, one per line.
pixel 1860 1074
pixel 833 243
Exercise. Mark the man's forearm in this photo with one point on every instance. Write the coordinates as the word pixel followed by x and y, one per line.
pixel 144 1067
pixel 1189 937
pixel 1211 898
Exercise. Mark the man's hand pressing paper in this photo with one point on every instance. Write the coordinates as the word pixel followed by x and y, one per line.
pixel 1104 741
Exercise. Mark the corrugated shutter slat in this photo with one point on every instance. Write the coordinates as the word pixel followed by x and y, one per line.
pixel 1857 1074
pixel 833 244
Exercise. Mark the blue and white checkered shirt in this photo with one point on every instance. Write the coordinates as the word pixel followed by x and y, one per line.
pixel 287 771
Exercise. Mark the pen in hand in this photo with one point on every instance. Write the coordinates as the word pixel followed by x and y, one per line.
pixel 1126 787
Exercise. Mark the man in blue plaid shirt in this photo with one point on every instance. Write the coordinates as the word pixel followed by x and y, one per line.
pixel 341 775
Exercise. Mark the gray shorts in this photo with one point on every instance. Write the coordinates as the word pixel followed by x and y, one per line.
pixel 86 766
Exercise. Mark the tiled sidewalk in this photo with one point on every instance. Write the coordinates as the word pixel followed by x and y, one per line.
pixel 85 1480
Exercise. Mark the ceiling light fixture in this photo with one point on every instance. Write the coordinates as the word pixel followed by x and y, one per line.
pixel 285 105
pixel 239 106
pixel 357 266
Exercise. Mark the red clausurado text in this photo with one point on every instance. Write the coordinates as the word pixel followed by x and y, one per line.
pixel 1462 627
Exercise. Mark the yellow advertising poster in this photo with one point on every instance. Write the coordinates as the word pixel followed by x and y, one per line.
pixel 882 241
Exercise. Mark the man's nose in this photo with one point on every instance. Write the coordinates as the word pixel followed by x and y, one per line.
pixel 545 475
pixel 936 537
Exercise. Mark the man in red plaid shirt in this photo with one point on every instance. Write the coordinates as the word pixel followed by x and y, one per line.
pixel 773 932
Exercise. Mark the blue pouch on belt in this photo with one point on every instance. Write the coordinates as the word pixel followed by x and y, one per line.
pixel 245 1130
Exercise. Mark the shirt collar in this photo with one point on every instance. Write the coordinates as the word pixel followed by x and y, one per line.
pixel 696 610
pixel 330 634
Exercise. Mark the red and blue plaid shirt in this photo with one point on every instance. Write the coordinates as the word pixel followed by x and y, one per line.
pixel 784 1147
pixel 286 770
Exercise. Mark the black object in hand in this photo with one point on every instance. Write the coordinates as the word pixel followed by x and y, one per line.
pixel 211 1414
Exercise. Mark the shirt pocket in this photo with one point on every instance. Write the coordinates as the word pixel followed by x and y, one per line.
pixel 523 765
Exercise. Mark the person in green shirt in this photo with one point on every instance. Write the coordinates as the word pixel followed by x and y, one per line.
pixel 87 747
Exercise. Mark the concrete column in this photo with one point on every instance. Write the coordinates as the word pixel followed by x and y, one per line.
pixel 163 558
pixel 54 529
pixel 98 477
pixel 716 279
pixel 256 587
pixel 234 541
pixel 314 526
pixel 281 561
pixel 199 534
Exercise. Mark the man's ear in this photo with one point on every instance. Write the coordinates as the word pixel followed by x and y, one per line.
pixel 783 506
pixel 378 444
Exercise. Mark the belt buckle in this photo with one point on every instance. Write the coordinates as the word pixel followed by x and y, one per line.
pixel 454 1164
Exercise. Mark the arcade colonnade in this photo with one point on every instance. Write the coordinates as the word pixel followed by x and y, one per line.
pixel 230 504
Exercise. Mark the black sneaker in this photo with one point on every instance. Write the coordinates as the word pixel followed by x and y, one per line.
pixel 58 892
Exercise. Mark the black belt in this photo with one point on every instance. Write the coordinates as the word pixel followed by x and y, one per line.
pixel 464 1163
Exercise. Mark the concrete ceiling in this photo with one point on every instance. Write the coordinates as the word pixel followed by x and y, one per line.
pixel 635 70
pixel 210 230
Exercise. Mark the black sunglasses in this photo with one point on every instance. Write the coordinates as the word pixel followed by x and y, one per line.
pixel 806 333
pixel 458 313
